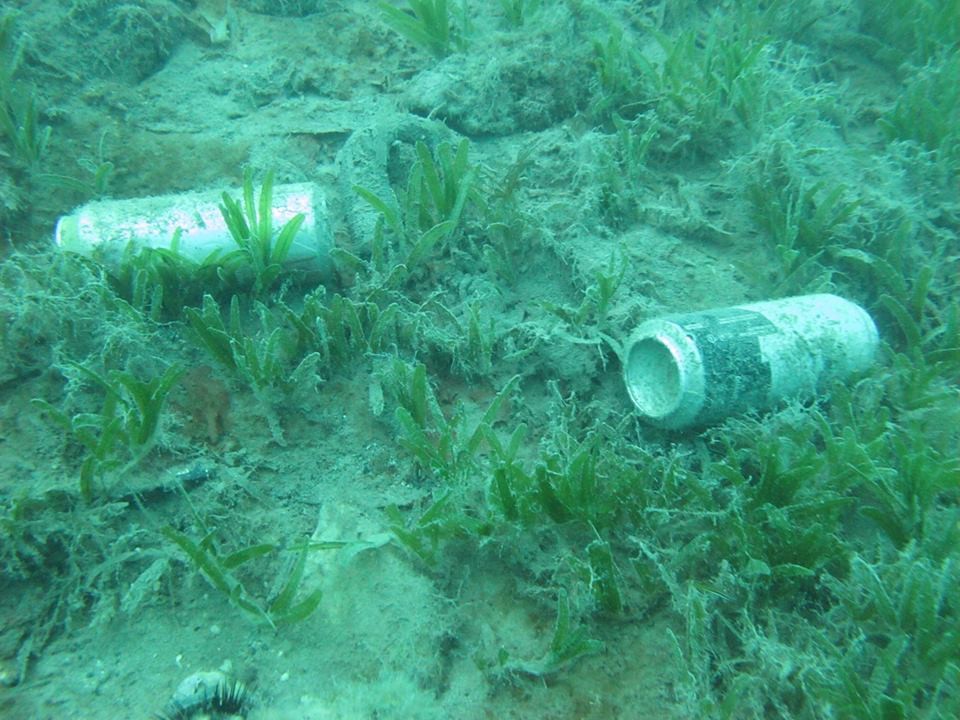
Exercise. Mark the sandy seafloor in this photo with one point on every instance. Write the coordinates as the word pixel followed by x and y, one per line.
pixel 181 96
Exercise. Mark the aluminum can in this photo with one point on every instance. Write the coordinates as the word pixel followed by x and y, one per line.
pixel 694 369
pixel 107 230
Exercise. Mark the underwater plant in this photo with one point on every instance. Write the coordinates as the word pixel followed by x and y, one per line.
pixel 19 121
pixel 518 12
pixel 282 608
pixel 427 24
pixel 706 83
pixel 425 215
pixel 250 222
pixel 927 112
pixel 268 358
pixel 568 644
pixel 123 432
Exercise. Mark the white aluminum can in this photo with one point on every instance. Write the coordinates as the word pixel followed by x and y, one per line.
pixel 697 368
pixel 108 229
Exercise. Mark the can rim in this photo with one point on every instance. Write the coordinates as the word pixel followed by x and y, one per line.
pixel 663 372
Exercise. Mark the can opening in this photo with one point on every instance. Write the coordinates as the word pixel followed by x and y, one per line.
pixel 653 378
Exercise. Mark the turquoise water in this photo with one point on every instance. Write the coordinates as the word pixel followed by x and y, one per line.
pixel 358 444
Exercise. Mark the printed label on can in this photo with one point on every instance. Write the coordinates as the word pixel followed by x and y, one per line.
pixel 736 374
